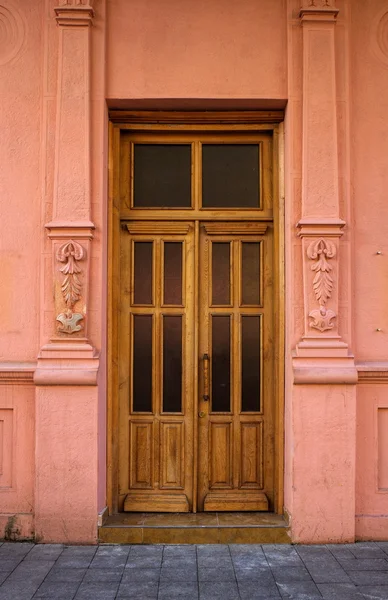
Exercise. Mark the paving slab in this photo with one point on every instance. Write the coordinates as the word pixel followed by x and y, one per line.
pixel 50 590
pixel 138 589
pixel 258 591
pixel 202 572
pixel 340 591
pixel 374 592
pixel 184 590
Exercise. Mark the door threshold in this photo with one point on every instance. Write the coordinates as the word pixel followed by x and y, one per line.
pixel 199 528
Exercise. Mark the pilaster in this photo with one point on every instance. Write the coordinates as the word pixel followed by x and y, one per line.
pixel 321 356
pixel 68 357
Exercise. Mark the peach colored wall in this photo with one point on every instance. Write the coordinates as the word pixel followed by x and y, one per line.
pixel 99 216
pixel 202 49
pixel 147 52
pixel 66 457
pixel 369 102
pixel 369 112
pixel 372 462
pixel 323 464
pixel 20 210
pixel 20 206
pixel 17 465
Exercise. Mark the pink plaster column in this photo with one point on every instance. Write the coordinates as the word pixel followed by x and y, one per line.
pixel 66 374
pixel 321 355
pixel 323 463
pixel 68 357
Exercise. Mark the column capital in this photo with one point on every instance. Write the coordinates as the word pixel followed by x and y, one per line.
pixel 318 10
pixel 57 230
pixel 318 227
pixel 74 13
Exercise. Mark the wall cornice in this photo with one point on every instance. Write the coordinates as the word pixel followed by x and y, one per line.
pixel 372 372
pixel 17 373
pixel 324 14
pixel 74 13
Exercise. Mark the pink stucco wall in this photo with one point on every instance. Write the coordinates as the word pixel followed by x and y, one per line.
pixel 217 50
pixel 230 55
pixel 369 177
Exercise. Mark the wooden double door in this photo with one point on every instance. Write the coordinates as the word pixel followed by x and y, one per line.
pixel 196 399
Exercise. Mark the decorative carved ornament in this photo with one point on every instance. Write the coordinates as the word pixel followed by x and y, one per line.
pixel 12 32
pixel 379 37
pixel 320 251
pixel 70 254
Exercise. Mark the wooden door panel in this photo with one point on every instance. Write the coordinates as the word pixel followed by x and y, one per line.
pixel 157 340
pixel 251 455
pixel 236 325
pixel 172 475
pixel 221 463
pixel 141 455
pixel 156 367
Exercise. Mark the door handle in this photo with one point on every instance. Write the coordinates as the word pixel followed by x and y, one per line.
pixel 206 361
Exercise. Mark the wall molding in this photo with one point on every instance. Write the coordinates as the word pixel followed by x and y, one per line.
pixel 372 372
pixel 17 373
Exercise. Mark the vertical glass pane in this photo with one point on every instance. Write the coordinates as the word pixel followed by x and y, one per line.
pixel 172 363
pixel 143 273
pixel 250 272
pixel 172 273
pixel 230 176
pixel 162 175
pixel 220 363
pixel 142 363
pixel 221 273
pixel 250 367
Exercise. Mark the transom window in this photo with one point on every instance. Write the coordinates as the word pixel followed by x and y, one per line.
pixel 208 173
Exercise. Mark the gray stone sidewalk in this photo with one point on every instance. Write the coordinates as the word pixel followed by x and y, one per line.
pixel 207 572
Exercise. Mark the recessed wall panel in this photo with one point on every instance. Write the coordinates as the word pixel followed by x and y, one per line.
pixel 382 432
pixel 6 443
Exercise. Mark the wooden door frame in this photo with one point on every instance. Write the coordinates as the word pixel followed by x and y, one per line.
pixel 241 121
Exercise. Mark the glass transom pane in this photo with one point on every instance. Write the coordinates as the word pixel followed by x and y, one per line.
pixel 162 176
pixel 230 176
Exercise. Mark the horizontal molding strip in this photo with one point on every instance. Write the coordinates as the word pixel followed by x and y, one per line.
pixel 17 373
pixel 152 227
pixel 234 228
pixel 372 372
pixel 238 117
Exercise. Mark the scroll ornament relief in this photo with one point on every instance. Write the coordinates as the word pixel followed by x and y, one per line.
pixel 70 254
pixel 320 251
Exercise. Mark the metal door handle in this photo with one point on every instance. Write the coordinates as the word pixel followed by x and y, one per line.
pixel 206 361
